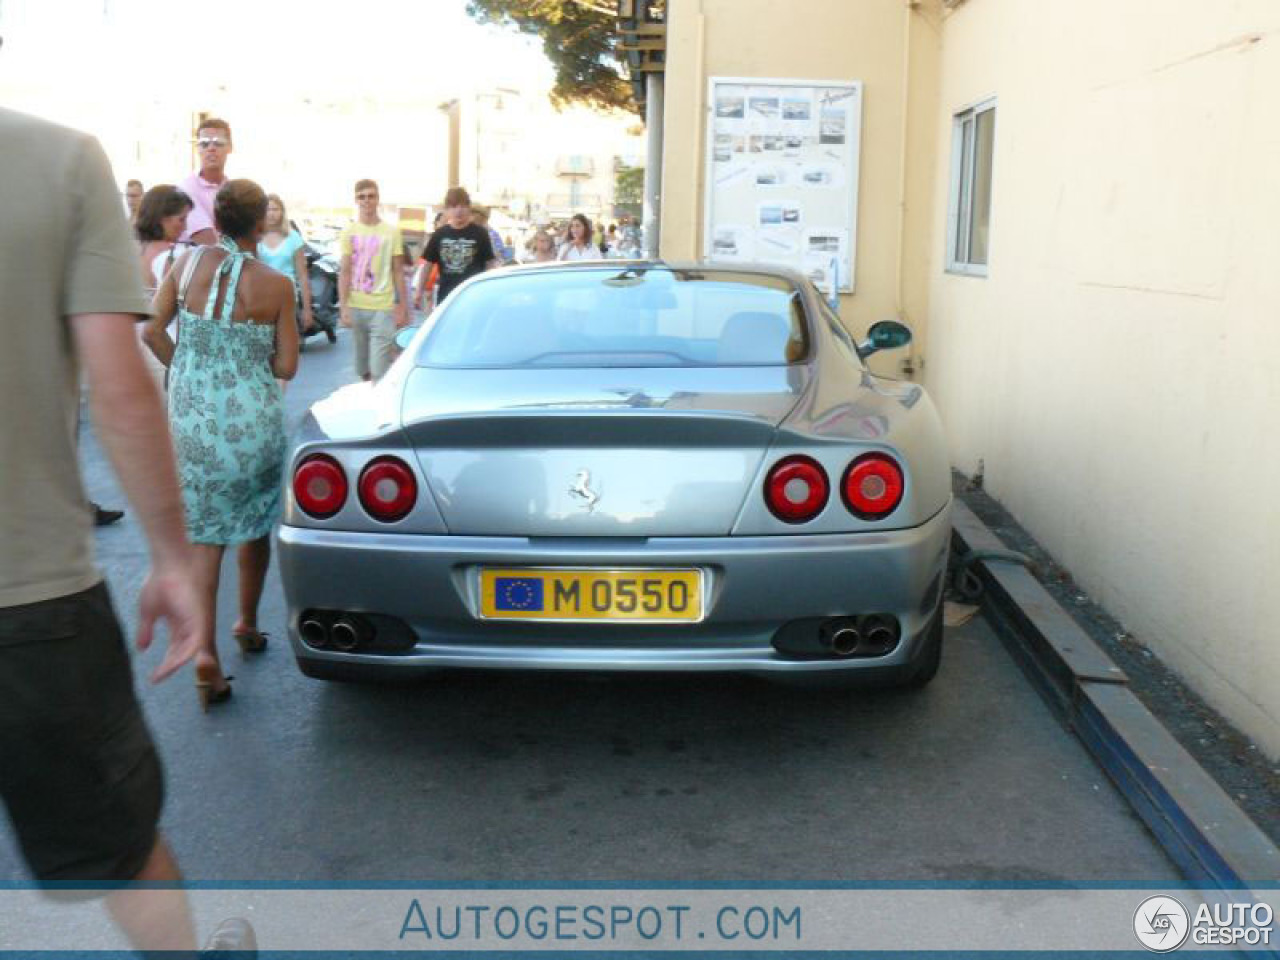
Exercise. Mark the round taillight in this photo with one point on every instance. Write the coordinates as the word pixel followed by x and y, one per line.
pixel 796 489
pixel 872 486
pixel 388 489
pixel 320 486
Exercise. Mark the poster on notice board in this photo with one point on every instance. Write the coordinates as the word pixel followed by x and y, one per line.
pixel 782 175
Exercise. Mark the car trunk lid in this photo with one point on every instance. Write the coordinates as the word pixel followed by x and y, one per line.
pixel 606 452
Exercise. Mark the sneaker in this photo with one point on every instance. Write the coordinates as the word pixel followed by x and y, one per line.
pixel 103 517
pixel 233 934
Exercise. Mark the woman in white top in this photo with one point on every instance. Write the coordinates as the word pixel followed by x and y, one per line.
pixel 579 245
pixel 161 220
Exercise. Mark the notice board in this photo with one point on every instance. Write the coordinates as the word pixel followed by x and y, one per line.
pixel 782 175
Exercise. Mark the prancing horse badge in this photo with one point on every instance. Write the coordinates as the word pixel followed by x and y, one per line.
pixel 582 488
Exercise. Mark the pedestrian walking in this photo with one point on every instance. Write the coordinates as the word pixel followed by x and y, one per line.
pixel 162 219
pixel 480 217
pixel 79 774
pixel 237 336
pixel 426 274
pixel 461 248
pixel 132 198
pixel 579 245
pixel 371 294
pixel 213 141
pixel 283 250
pixel 542 248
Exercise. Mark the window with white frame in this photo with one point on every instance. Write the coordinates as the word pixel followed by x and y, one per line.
pixel 969 219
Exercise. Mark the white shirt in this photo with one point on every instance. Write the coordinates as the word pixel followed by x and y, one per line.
pixel 589 252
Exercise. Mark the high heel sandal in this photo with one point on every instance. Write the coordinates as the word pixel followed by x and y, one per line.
pixel 252 642
pixel 210 696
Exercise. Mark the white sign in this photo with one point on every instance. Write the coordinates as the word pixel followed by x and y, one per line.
pixel 782 175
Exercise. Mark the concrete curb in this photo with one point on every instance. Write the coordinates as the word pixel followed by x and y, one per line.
pixel 1212 840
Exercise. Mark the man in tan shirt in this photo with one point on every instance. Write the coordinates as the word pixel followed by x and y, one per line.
pixel 78 771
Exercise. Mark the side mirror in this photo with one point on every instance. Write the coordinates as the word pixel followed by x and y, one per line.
pixel 885 335
pixel 405 335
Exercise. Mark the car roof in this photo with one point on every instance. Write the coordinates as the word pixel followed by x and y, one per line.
pixel 762 269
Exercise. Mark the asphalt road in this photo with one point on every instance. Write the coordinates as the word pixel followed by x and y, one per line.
pixel 550 779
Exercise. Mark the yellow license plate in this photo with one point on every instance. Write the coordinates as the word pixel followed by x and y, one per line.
pixel 602 595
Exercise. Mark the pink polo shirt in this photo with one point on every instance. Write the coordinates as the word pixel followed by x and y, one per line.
pixel 201 192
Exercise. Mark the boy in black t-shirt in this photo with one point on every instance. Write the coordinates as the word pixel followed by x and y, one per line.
pixel 461 248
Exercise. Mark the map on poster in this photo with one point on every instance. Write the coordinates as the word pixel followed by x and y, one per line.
pixel 782 175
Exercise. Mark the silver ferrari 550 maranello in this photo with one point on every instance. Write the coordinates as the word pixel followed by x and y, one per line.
pixel 623 466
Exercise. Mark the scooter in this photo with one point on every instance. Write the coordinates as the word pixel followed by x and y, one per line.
pixel 322 275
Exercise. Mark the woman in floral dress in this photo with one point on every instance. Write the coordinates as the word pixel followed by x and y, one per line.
pixel 236 337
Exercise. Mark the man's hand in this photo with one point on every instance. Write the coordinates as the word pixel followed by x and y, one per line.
pixel 131 426
pixel 308 319
pixel 344 316
pixel 402 316
pixel 172 596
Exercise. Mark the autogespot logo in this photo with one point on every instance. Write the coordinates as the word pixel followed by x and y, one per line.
pixel 1161 924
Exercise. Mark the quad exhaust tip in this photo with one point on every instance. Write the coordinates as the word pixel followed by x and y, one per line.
pixel 314 633
pixel 870 635
pixel 331 629
pixel 347 633
pixel 844 640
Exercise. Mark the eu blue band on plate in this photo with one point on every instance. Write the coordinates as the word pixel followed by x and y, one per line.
pixel 517 593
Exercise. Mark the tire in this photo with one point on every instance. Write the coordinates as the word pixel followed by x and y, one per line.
pixel 332 334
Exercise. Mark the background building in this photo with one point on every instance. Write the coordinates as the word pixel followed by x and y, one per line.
pixel 519 154
pixel 1075 208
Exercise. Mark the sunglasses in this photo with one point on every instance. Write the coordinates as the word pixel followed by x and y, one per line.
pixel 366 196
pixel 205 143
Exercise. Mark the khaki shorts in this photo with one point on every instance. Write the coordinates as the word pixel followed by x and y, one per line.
pixel 78 770
pixel 374 332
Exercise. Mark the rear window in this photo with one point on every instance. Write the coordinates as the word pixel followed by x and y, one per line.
pixel 620 316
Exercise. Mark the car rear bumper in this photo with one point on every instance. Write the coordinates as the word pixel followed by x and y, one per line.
pixel 427 589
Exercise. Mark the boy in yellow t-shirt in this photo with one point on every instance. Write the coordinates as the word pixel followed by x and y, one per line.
pixel 371 292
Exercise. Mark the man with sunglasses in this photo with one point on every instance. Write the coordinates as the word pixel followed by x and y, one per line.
pixel 371 290
pixel 213 141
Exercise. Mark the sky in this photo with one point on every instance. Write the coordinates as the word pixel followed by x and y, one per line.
pixel 313 89
pixel 369 47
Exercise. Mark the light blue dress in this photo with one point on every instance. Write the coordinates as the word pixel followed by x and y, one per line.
pixel 227 416
pixel 281 258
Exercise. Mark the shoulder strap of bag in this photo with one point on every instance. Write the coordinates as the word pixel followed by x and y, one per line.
pixel 186 275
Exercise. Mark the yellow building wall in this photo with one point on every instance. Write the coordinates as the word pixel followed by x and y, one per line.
pixel 1118 371
pixel 866 40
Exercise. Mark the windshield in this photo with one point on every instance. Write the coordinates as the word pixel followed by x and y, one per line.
pixel 629 317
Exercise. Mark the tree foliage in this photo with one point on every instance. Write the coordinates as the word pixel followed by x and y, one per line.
pixel 579 39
